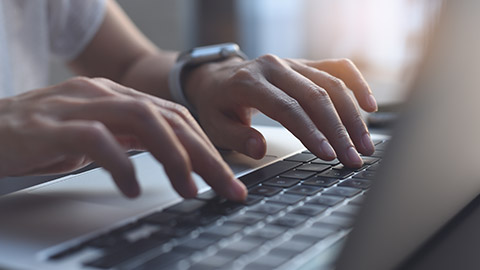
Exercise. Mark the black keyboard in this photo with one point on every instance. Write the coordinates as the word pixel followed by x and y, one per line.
pixel 292 205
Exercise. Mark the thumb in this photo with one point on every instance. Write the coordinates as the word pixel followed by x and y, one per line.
pixel 233 135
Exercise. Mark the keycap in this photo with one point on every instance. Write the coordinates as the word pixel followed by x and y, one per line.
pixel 289 199
pixel 267 191
pixel 292 246
pixel 207 195
pixel 245 245
pixel 326 200
pixel 281 182
pixel 339 174
pixel 267 172
pixel 252 199
pixel 224 230
pixel 248 218
pixel 328 162
pixel 342 191
pixel 309 210
pixel 369 160
pixel 313 167
pixel 290 220
pixel 369 175
pixel 304 190
pixel 268 232
pixel 302 157
pixel 299 175
pixel 269 261
pixel 217 261
pixel 357 200
pixel 356 183
pixel 199 243
pixel 320 181
pixel 108 241
pixel 347 210
pixel 224 208
pixel 163 218
pixel 313 234
pixel 337 221
pixel 162 261
pixel 268 208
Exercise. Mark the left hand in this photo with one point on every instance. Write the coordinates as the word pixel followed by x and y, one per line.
pixel 310 98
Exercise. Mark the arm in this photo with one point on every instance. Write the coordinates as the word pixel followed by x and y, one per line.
pixel 310 98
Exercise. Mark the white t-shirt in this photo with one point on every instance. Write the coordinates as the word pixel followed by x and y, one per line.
pixel 33 31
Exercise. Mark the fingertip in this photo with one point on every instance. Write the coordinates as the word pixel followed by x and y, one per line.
pixel 237 191
pixel 256 147
pixel 327 150
pixel 372 103
pixel 189 191
pixel 354 158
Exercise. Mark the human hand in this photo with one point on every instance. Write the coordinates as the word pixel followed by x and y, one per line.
pixel 64 127
pixel 310 98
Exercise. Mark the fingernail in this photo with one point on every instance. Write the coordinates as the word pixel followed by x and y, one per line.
pixel 352 154
pixel 252 147
pixel 327 149
pixel 367 142
pixel 372 102
pixel 237 190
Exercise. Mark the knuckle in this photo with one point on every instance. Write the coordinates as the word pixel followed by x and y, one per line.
pixel 336 84
pixel 340 133
pixel 243 75
pixel 318 94
pixel 346 63
pixel 92 133
pixel 269 59
pixel 81 82
pixel 287 104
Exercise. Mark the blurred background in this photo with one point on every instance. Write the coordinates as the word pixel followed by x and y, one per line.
pixel 384 38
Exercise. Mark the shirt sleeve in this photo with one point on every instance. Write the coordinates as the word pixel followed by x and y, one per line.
pixel 72 25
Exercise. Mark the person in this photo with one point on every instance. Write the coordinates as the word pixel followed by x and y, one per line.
pixel 121 101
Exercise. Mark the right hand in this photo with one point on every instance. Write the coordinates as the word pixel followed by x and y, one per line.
pixel 65 127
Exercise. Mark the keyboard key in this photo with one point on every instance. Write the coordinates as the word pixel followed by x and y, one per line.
pixel 347 210
pixel 374 167
pixel 207 195
pixel 268 261
pixel 267 172
pixel 252 199
pixel 268 232
pixel 335 221
pixel 299 175
pixel 224 230
pixel 339 174
pixel 328 162
pixel 163 218
pixel 369 160
pixel 326 200
pixel 268 208
pixel 369 175
pixel 304 190
pixel 217 261
pixel 313 167
pixel 162 261
pixel 309 210
pixel 186 206
pixel 289 199
pixel 356 183
pixel 249 218
pixel 358 200
pixel 290 220
pixel 343 191
pixel 320 181
pixel 199 243
pixel 302 157
pixel 313 234
pixel 281 182
pixel 244 245
pixel 224 208
pixel 265 191
pixel 291 248
pixel 378 153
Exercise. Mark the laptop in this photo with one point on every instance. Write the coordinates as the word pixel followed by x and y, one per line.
pixel 302 212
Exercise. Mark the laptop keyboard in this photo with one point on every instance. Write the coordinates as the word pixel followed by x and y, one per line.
pixel 292 205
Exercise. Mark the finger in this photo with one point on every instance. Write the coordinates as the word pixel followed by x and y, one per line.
pixel 346 107
pixel 276 104
pixel 94 140
pixel 161 103
pixel 353 78
pixel 206 163
pixel 126 116
pixel 319 107
pixel 241 138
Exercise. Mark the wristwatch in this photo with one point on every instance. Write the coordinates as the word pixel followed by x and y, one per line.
pixel 196 57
